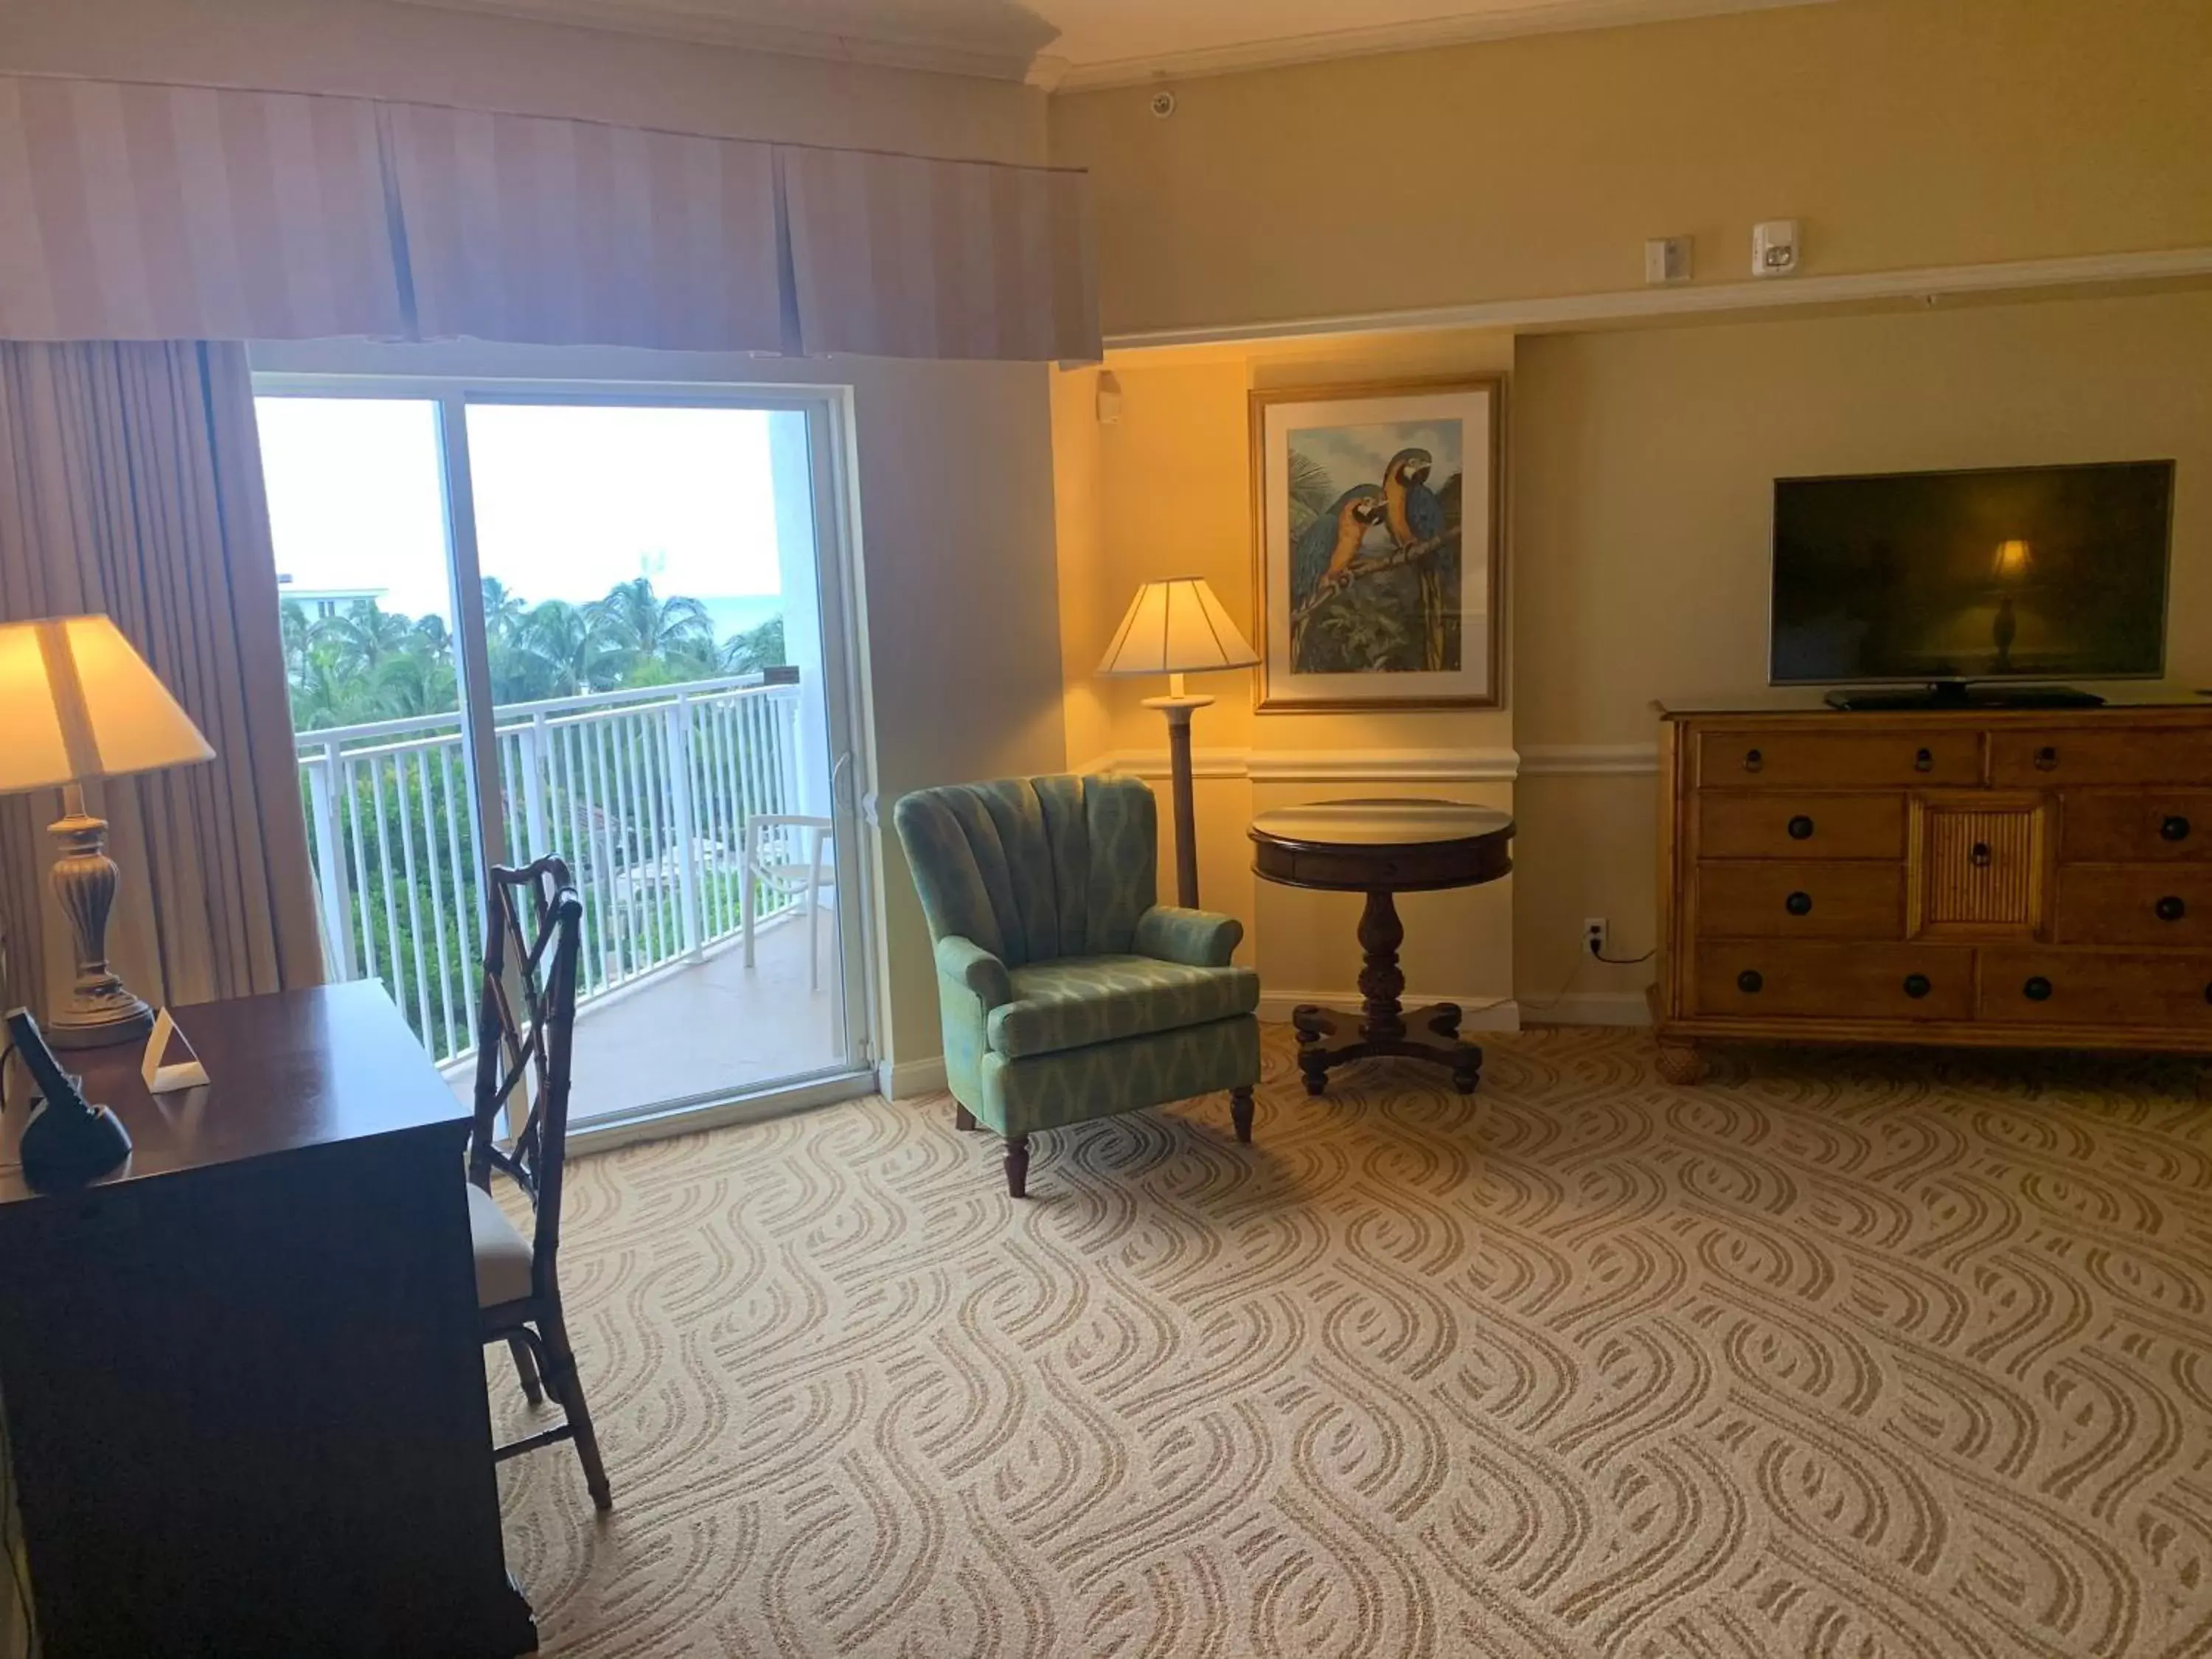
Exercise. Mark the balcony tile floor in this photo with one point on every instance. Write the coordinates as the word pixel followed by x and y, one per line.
pixel 714 1024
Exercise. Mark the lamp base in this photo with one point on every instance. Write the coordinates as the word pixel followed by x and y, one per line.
pixel 101 1011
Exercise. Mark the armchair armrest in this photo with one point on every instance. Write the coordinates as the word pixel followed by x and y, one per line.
pixel 1196 938
pixel 968 963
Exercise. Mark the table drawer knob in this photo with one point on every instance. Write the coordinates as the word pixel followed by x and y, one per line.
pixel 1924 761
pixel 2171 908
pixel 1918 986
pixel 2175 827
pixel 2047 759
pixel 1753 760
pixel 1979 856
pixel 1798 905
pixel 2037 989
pixel 1750 982
pixel 1800 828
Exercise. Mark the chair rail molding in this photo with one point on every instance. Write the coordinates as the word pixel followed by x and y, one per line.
pixel 1562 760
pixel 1327 765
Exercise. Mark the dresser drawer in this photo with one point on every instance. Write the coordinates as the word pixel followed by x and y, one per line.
pixel 2115 826
pixel 2075 755
pixel 1752 824
pixel 1748 979
pixel 2133 904
pixel 1771 899
pixel 1766 759
pixel 2062 988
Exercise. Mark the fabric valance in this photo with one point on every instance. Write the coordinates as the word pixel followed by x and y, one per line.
pixel 131 211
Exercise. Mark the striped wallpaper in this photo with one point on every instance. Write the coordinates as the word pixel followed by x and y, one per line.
pixel 135 211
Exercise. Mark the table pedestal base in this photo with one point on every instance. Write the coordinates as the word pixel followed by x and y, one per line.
pixel 1317 1056
pixel 1385 1029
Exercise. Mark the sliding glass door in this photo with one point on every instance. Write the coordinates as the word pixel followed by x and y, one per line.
pixel 604 626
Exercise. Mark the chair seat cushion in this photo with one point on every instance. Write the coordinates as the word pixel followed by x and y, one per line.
pixel 1079 1000
pixel 503 1253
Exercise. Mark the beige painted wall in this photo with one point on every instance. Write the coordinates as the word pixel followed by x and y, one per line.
pixel 1168 493
pixel 1644 488
pixel 377 47
pixel 1903 133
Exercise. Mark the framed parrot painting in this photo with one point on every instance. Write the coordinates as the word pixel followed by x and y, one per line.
pixel 1376 517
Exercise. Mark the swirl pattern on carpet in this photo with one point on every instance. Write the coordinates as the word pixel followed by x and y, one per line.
pixel 1854 1354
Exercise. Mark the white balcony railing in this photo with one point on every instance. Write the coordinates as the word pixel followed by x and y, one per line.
pixel 645 792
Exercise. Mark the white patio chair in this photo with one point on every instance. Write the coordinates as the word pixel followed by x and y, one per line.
pixel 770 863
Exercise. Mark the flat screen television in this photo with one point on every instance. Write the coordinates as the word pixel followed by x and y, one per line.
pixel 2039 573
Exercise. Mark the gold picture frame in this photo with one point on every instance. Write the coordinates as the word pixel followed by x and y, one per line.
pixel 1368 591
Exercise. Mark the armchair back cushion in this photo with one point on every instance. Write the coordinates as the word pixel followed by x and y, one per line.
pixel 1034 869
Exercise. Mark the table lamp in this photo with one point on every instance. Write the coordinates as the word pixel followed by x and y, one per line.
pixel 82 704
pixel 1174 628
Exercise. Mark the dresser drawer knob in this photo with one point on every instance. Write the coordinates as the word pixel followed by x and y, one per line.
pixel 2175 827
pixel 1798 905
pixel 1924 761
pixel 1917 986
pixel 1753 760
pixel 1800 828
pixel 2171 908
pixel 2047 759
pixel 1979 856
pixel 2038 989
pixel 1750 982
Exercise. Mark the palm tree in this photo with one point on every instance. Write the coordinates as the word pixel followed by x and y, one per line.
pixel 363 635
pixel 327 692
pixel 754 649
pixel 298 629
pixel 567 648
pixel 430 636
pixel 414 685
pixel 503 610
pixel 642 627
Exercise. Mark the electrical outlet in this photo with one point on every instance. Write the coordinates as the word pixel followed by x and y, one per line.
pixel 1594 935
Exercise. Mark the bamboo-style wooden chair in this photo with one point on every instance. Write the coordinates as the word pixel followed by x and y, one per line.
pixel 533 924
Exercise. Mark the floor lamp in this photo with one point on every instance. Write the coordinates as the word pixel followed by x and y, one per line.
pixel 80 704
pixel 1177 627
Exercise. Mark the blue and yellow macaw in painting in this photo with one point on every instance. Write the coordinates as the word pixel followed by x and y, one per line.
pixel 1411 508
pixel 1332 541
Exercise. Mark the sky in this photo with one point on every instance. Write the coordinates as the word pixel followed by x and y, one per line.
pixel 570 499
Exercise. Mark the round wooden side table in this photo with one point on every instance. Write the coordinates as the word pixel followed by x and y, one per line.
pixel 1382 848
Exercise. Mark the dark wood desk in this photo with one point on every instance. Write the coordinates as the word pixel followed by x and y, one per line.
pixel 1382 848
pixel 243 1381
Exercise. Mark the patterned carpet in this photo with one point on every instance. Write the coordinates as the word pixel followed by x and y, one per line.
pixel 1849 1355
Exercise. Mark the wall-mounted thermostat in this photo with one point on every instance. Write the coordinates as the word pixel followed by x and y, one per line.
pixel 1774 248
pixel 1667 259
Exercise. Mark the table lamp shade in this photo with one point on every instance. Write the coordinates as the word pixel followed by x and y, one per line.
pixel 1177 627
pixel 82 704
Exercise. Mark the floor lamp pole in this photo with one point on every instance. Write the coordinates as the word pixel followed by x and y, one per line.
pixel 1179 708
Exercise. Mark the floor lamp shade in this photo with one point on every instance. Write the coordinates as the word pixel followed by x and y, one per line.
pixel 1174 628
pixel 82 704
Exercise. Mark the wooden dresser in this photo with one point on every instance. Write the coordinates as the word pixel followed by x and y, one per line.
pixel 2014 878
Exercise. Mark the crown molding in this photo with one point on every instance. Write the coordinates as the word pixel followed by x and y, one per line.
pixel 1560 17
pixel 1927 283
pixel 668 22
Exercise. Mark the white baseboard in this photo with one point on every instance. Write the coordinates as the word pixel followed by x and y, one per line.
pixel 1593 1008
pixel 905 1080
pixel 1482 1014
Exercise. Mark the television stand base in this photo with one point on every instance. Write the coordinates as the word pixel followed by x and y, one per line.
pixel 1957 694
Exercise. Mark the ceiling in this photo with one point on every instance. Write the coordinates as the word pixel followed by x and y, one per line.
pixel 1085 43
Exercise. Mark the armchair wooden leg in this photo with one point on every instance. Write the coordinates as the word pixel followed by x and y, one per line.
pixel 1240 1113
pixel 525 1367
pixel 567 1387
pixel 1017 1166
pixel 962 1117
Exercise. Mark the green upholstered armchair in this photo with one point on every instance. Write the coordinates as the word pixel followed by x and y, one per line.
pixel 1067 994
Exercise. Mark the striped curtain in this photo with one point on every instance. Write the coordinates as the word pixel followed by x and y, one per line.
pixel 564 233
pixel 898 256
pixel 138 212
pixel 132 212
